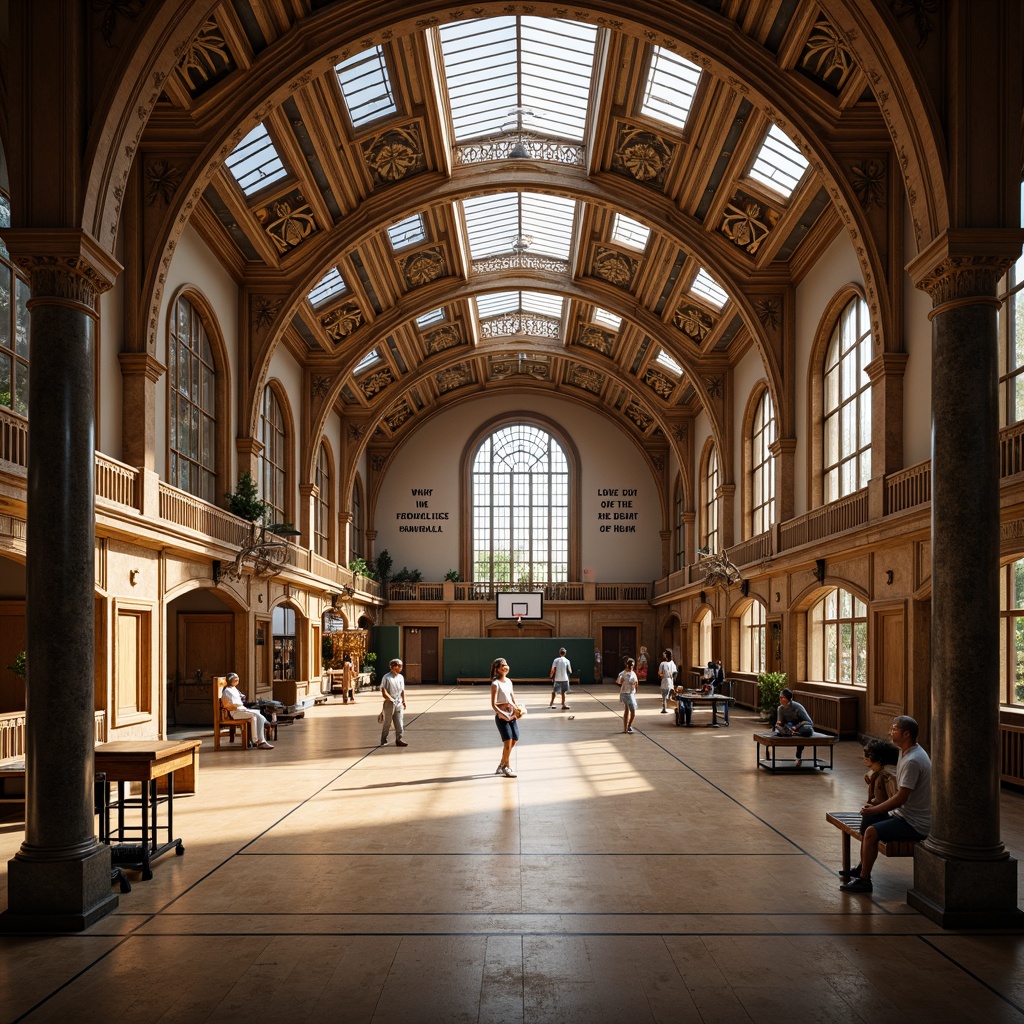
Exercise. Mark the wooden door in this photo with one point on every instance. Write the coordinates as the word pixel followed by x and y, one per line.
pixel 617 643
pixel 206 644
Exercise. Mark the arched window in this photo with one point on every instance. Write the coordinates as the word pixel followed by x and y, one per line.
pixel 847 404
pixel 704 653
pixel 284 642
pixel 678 532
pixel 357 542
pixel 322 525
pixel 520 502
pixel 192 380
pixel 1011 341
pixel 273 438
pixel 710 496
pixel 1012 623
pixel 14 318
pixel 762 466
pixel 837 639
pixel 753 638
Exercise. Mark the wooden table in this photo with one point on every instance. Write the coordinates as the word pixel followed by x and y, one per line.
pixel 771 741
pixel 145 762
pixel 715 700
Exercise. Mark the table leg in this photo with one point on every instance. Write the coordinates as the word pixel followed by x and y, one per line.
pixel 148 796
pixel 725 708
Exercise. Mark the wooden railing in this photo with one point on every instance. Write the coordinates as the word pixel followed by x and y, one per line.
pixel 184 509
pixel 13 439
pixel 908 488
pixel 836 517
pixel 12 732
pixel 622 592
pixel 756 549
pixel 116 482
pixel 1011 753
pixel 1011 450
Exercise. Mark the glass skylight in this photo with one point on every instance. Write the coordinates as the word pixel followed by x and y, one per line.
pixel 779 164
pixel 495 66
pixel 254 161
pixel 706 287
pixel 606 319
pixel 366 86
pixel 367 361
pixel 671 85
pixel 669 363
pixel 331 284
pixel 407 232
pixel 629 232
pixel 501 223
pixel 435 316
pixel 497 303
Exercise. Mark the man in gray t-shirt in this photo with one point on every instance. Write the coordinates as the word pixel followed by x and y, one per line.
pixel 907 815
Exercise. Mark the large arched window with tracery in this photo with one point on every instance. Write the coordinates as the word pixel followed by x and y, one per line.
pixel 709 487
pixel 520 502
pixel 753 638
pixel 837 639
pixel 847 404
pixel 274 470
pixel 678 529
pixel 762 466
pixel 322 524
pixel 192 384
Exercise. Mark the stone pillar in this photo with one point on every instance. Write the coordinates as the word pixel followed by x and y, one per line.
pixel 308 494
pixel 963 875
pixel 689 537
pixel 60 878
pixel 140 373
pixel 344 547
pixel 783 451
pixel 886 373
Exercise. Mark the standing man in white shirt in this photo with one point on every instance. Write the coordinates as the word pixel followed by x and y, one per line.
pixel 392 689
pixel 559 674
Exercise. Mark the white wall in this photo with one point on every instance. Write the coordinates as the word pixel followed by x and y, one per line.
pixel 111 341
pixel 917 385
pixel 430 461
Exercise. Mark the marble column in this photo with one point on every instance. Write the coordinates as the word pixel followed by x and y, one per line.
pixel 60 878
pixel 963 875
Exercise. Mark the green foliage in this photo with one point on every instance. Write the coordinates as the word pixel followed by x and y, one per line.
pixel 20 665
pixel 383 566
pixel 245 501
pixel 453 576
pixel 361 566
pixel 407 575
pixel 769 686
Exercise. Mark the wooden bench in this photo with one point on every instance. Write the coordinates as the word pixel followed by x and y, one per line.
pixel 770 741
pixel 848 823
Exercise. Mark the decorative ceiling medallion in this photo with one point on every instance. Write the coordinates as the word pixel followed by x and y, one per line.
pixel 319 385
pixel 287 221
pixel 614 267
pixel 394 154
pixel 443 338
pixel 161 181
pixel 715 386
pixel 695 323
pixel 378 462
pixel 769 313
pixel 341 322
pixel 356 431
pixel 112 10
pixel 642 155
pixel 747 222
pixel 206 59
pixel 264 311
pixel 679 432
pixel 587 379
pixel 423 267
pixel 659 383
pixel 452 378
pixel 376 382
pixel 593 337
pixel 868 179
pixel 827 58
pixel 635 412
pixel 399 413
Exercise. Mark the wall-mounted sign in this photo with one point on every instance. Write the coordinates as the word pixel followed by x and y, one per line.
pixel 618 512
pixel 420 519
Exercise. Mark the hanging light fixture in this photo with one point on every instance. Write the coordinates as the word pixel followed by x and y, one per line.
pixel 518 136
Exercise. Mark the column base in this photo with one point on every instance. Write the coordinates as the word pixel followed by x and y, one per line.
pixel 966 893
pixel 58 895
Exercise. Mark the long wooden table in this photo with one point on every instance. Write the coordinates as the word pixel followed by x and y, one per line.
pixel 714 700
pixel 145 762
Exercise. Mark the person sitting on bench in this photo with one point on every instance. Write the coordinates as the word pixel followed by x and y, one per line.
pixel 882 757
pixel 792 720
pixel 907 815
pixel 234 702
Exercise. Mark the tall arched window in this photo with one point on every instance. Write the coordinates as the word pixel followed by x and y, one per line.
pixel 14 318
pixel 762 466
pixel 710 496
pixel 520 501
pixel 322 526
pixel 753 638
pixel 678 533
pixel 847 405
pixel 1011 340
pixel 192 380
pixel 1012 632
pixel 357 541
pixel 274 439
pixel 837 639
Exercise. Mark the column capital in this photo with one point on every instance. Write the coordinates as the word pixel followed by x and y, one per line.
pixel 134 364
pixel 961 267
pixel 782 445
pixel 887 364
pixel 62 264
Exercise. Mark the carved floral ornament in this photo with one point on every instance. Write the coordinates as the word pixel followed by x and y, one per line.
pixel 443 338
pixel 639 416
pixel 161 180
pixel 319 385
pixel 587 379
pixel 395 154
pixel 452 378
pixel 288 221
pixel 642 155
pixel 340 323
pixel 827 56
pixel 869 184
pixel 614 267
pixel 693 322
pixel 397 416
pixel 593 337
pixel 747 223
pixel 659 383
pixel 768 311
pixel 423 267
pixel 964 277
pixel 376 382
pixel 206 56
pixel 264 311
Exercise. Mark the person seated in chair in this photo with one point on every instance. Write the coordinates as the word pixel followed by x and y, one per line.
pixel 792 720
pixel 684 706
pixel 233 701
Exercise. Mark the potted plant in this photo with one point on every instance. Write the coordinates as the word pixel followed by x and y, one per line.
pixel 370 665
pixel 453 576
pixel 20 665
pixel 769 686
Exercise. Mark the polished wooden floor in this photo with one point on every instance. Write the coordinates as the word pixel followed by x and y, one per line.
pixel 657 876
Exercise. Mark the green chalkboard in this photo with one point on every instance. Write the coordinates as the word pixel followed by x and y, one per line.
pixel 526 656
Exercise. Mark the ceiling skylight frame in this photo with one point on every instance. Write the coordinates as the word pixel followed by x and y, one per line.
pixel 331 285
pixel 665 360
pixel 604 318
pixel 370 359
pixel 501 303
pixel 519 222
pixel 407 232
pixel 365 83
pixel 254 163
pixel 629 232
pixel 670 89
pixel 705 287
pixel 434 316
pixel 779 164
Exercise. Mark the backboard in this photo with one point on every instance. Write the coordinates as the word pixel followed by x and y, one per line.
pixel 517 605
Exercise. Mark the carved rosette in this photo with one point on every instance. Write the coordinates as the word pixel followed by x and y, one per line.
pixel 378 462
pixel 593 337
pixel 693 322
pixel 264 311
pixel 425 266
pixel 356 431
pixel 868 179
pixel 827 56
pixel 340 323
pixel 642 155
pixel 445 337
pixel 319 385
pixel 160 181
pixel 715 386
pixel 747 222
pixel 394 154
pixel 679 432
pixel 287 221
pixel 614 267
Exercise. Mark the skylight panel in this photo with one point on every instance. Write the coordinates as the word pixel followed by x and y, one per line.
pixel 606 319
pixel 254 161
pixel 669 363
pixel 498 303
pixel 407 232
pixel 671 86
pixel 707 288
pixel 497 66
pixel 331 284
pixel 543 303
pixel 779 164
pixel 366 86
pixel 367 361
pixel 519 222
pixel 629 232
pixel 435 316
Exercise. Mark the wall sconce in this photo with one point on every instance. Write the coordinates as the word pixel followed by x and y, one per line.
pixel 888 577
pixel 133 577
pixel 818 572
pixel 703 597
pixel 745 588
pixel 778 597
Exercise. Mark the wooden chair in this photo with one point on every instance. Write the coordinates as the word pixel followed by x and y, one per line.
pixel 222 720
